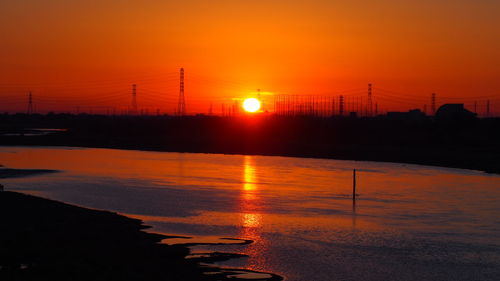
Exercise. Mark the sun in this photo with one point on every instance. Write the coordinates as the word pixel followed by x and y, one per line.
pixel 251 105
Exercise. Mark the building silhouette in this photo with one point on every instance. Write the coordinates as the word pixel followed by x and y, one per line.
pixel 454 112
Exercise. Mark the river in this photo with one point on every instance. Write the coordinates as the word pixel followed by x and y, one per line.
pixel 409 222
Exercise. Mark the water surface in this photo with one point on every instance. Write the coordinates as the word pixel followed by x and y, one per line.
pixel 410 222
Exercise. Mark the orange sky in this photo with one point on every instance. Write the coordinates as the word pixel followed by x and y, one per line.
pixel 88 53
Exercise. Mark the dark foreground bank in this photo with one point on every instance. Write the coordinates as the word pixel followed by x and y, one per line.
pixel 41 239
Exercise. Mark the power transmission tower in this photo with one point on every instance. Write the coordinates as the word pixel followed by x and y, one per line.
pixel 333 106
pixel 433 104
pixel 181 106
pixel 134 99
pixel 30 104
pixel 370 105
pixel 341 105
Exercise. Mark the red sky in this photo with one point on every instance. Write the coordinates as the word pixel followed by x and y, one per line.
pixel 88 53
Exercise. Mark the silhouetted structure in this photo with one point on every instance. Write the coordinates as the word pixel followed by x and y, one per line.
pixel 181 106
pixel 433 104
pixel 413 114
pixel 134 99
pixel 370 104
pixel 341 105
pixel 454 112
pixel 30 104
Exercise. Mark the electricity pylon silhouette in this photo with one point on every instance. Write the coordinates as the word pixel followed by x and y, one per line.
pixel 181 106
pixel 30 104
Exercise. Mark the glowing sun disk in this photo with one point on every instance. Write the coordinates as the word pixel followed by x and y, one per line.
pixel 251 105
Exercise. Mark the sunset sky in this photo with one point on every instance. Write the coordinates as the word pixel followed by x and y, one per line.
pixel 87 53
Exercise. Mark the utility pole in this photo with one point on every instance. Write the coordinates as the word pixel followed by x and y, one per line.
pixel 181 106
pixel 354 185
pixel 488 108
pixel 30 104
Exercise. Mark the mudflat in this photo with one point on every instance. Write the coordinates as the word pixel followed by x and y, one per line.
pixel 47 240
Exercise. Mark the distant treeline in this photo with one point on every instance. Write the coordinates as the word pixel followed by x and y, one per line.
pixel 471 143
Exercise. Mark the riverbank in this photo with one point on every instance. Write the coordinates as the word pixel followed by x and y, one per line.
pixel 47 240
pixel 468 145
pixel 18 173
pixel 43 239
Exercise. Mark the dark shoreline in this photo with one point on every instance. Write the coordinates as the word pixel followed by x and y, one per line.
pixel 18 173
pixel 466 144
pixel 42 239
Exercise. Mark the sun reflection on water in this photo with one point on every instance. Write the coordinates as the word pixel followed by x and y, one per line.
pixel 249 174
pixel 251 218
pixel 249 203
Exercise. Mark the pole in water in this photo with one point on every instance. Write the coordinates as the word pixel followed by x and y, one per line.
pixel 353 184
